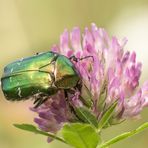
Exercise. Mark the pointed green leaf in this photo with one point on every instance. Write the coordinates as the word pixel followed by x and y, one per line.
pixel 86 116
pixel 86 96
pixel 124 136
pixel 102 96
pixel 80 135
pixel 107 115
pixel 28 127
pixel 32 128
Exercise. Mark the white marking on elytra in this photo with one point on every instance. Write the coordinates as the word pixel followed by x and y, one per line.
pixel 11 70
pixel 19 92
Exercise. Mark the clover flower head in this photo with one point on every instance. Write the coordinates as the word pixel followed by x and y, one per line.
pixel 108 74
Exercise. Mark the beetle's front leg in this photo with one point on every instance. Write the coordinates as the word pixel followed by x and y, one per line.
pixel 74 58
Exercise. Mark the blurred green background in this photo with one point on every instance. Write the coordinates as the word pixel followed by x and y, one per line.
pixel 30 26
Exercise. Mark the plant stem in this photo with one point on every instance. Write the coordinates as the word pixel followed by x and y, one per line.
pixel 124 136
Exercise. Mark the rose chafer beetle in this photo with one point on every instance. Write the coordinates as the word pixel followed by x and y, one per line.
pixel 39 76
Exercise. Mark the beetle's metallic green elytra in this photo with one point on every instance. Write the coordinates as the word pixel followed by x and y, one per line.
pixel 44 73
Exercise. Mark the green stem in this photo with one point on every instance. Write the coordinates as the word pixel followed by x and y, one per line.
pixel 124 136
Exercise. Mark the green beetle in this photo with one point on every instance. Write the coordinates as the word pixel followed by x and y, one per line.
pixel 39 76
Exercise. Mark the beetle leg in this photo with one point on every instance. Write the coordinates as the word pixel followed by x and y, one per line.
pixel 66 95
pixel 68 102
pixel 80 59
pixel 36 100
pixel 86 58
pixel 73 58
pixel 40 101
pixel 78 86
pixel 71 107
